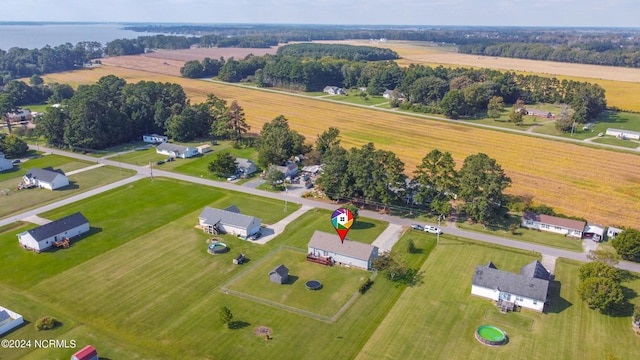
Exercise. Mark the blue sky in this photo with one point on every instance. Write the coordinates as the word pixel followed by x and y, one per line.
pixel 609 13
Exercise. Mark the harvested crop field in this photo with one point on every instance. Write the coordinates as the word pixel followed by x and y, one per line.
pixel 600 185
pixel 170 61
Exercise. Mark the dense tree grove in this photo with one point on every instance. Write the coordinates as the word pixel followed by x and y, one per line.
pixel 12 145
pixel 337 51
pixel 278 143
pixel 207 68
pixel 111 112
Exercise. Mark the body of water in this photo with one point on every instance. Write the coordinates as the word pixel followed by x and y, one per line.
pixel 39 35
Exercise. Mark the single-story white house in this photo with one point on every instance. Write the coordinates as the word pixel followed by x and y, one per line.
pixel 351 253
pixel 612 232
pixel 175 150
pixel 9 320
pixel 527 289
pixel 333 90
pixel 623 134
pixel 154 138
pixel 246 166
pixel 45 178
pixel 228 221
pixel 594 232
pixel 19 115
pixel 44 237
pixel 289 170
pixel 203 149
pixel 4 163
pixel 568 227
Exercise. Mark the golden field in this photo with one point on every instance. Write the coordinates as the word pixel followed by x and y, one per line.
pixel 599 185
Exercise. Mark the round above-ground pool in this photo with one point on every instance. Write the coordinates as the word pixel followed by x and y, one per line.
pixel 217 247
pixel 313 285
pixel 491 335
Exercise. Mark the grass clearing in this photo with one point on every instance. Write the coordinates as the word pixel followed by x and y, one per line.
pixel 356 99
pixel 441 325
pixel 339 284
pixel 617 142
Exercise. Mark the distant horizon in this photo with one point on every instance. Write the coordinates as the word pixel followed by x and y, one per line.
pixel 499 13
pixel 404 26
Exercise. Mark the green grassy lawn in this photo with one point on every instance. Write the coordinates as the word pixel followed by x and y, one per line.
pixel 339 284
pixel 617 142
pixel 523 234
pixel 355 99
pixel 22 200
pixel 609 119
pixel 152 291
pixel 441 324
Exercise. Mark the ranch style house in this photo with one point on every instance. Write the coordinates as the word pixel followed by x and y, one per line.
pixel 568 227
pixel 228 221
pixel 154 138
pixel 9 320
pixel 176 151
pixel 45 178
pixel 350 253
pixel 45 236
pixel 527 289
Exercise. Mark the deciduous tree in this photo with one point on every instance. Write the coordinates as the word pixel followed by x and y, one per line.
pixel 223 164
pixel 627 243
pixel 601 293
pixel 482 182
pixel 495 107
pixel 225 316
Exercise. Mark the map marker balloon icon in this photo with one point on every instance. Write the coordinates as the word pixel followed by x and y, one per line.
pixel 342 219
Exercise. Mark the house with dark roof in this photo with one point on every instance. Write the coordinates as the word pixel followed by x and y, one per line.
pixel 45 178
pixel 9 320
pixel 229 221
pixel 289 170
pixel 4 163
pixel 279 275
pixel 350 253
pixel 558 225
pixel 528 289
pixel 44 237
pixel 175 150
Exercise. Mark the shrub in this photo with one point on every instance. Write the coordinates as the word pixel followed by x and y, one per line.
pixel 365 286
pixel 46 323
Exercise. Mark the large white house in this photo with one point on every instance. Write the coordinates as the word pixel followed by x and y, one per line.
pixel 527 289
pixel 351 253
pixel 623 134
pixel 229 221
pixel 4 163
pixel 9 320
pixel 154 138
pixel 45 178
pixel 568 227
pixel 44 237
pixel 175 150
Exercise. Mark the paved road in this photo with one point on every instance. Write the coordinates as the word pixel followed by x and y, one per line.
pixel 142 172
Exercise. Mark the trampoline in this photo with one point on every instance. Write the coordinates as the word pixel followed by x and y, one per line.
pixel 313 285
pixel 217 247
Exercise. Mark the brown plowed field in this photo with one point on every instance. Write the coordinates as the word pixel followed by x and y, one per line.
pixel 600 185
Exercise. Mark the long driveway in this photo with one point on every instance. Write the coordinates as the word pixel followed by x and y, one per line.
pixel 142 172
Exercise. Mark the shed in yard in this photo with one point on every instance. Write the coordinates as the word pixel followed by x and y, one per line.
pixel 324 246
pixel 279 275
pixel 154 138
pixel 203 149
pixel 612 232
pixel 46 236
pixel 86 353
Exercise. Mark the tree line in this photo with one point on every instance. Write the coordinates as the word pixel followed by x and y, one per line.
pixel 580 53
pixel 454 92
pixel 112 112
pixel 337 51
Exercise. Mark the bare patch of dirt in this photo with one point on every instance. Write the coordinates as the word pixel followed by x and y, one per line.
pixel 262 330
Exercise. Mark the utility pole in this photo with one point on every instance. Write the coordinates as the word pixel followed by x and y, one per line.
pixel 286 196
pixel 119 165
pixel 438 234
pixel 151 170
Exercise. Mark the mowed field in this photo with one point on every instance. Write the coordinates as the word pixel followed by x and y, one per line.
pixel 600 185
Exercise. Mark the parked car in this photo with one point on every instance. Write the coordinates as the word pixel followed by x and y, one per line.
pixel 169 159
pixel 159 162
pixel 432 229
pixel 417 227
pixel 232 177
pixel 16 162
pixel 255 236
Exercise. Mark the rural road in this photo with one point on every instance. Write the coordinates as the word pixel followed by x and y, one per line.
pixel 143 172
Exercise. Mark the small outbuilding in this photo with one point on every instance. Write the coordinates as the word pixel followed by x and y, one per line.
pixel 594 232
pixel 612 232
pixel 9 320
pixel 46 236
pixel 45 178
pixel 203 149
pixel 279 275
pixel 86 353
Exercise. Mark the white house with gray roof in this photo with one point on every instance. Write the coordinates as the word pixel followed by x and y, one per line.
pixel 527 289
pixel 9 320
pixel 351 253
pixel 228 221
pixel 45 178
pixel 175 150
pixel 43 237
